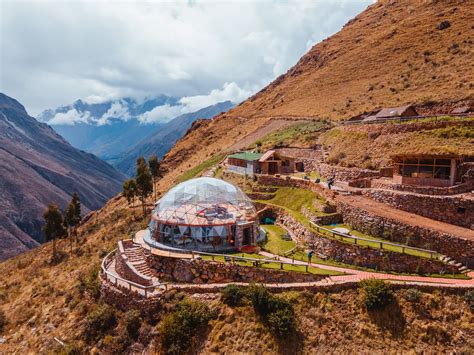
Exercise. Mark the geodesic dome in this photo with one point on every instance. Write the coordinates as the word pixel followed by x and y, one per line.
pixel 204 214
pixel 204 201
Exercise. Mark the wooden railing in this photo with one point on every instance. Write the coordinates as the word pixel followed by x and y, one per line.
pixel 255 261
pixel 146 291
pixel 356 240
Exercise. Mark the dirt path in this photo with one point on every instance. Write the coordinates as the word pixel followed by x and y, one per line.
pixel 261 132
pixel 412 219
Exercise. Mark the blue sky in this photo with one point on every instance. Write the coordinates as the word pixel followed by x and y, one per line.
pixel 54 52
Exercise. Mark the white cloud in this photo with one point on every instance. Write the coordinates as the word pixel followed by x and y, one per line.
pixel 117 110
pixel 59 51
pixel 162 113
pixel 70 117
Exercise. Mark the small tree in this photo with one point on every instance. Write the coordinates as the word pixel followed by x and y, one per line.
pixel 144 182
pixel 155 170
pixel 54 225
pixel 73 217
pixel 376 293
pixel 129 190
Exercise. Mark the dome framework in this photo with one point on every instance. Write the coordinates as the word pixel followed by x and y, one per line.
pixel 205 214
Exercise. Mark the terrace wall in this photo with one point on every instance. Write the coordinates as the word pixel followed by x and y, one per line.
pixel 453 246
pixel 358 255
pixel 199 271
pixel 425 190
pixel 458 210
pixel 345 174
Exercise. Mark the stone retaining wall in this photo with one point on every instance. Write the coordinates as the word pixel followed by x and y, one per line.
pixel 425 190
pixel 199 271
pixel 457 210
pixel 359 255
pixel 322 220
pixel 125 300
pixel 460 249
pixel 260 195
pixel 343 173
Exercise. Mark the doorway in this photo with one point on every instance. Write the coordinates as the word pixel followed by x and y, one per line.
pixel 247 239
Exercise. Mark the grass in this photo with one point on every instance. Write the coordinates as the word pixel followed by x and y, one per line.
pixel 193 172
pixel 275 243
pixel 313 175
pixel 274 266
pixel 295 199
pixel 298 133
pixel 394 248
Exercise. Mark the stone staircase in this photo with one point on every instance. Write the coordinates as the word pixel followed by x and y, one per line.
pixel 136 257
pixel 450 261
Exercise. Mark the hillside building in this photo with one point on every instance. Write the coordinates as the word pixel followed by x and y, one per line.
pixel 269 163
pixel 204 214
pixel 392 112
pixel 426 170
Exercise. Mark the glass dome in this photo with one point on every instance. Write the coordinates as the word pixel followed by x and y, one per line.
pixel 204 201
pixel 204 214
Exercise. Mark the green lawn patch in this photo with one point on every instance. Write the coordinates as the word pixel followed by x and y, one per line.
pixel 200 168
pixel 275 244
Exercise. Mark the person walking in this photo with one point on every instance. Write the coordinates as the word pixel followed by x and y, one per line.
pixel 310 255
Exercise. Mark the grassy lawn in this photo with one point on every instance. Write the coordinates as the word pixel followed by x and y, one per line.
pixel 295 198
pixel 377 241
pixel 274 266
pixel 275 244
pixel 200 168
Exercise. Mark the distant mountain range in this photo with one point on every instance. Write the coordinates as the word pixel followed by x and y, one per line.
pixel 37 166
pixel 119 131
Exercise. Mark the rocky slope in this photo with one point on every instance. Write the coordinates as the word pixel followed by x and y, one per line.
pixel 37 166
pixel 163 138
pixel 391 54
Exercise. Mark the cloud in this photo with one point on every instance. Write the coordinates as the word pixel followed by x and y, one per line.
pixel 70 117
pixel 117 110
pixel 59 51
pixel 229 92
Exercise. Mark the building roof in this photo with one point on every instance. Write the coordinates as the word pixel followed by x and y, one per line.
pixel 267 155
pixel 462 109
pixel 249 156
pixel 393 111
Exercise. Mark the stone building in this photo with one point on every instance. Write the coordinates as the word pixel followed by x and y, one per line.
pixel 269 163
pixel 426 170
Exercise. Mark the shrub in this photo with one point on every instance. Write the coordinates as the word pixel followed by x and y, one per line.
pixel 100 320
pixel 180 326
pixel 3 320
pixel 89 283
pixel 276 311
pixel 281 318
pixel 413 295
pixel 232 295
pixel 133 323
pixel 376 294
pixel 260 298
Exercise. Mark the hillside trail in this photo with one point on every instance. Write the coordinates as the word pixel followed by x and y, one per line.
pixel 383 210
pixel 353 275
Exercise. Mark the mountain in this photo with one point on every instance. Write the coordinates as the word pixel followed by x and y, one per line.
pixel 105 129
pixel 37 166
pixel 166 136
pixel 392 54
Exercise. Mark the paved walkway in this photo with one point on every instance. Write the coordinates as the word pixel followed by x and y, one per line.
pixel 358 275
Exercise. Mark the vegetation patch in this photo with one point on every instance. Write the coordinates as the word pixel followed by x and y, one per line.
pixel 276 311
pixel 376 293
pixel 198 169
pixel 99 321
pixel 180 327
pixel 232 295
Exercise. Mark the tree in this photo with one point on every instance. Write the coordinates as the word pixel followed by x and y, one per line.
pixel 155 170
pixel 54 226
pixel 143 181
pixel 129 190
pixel 73 217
